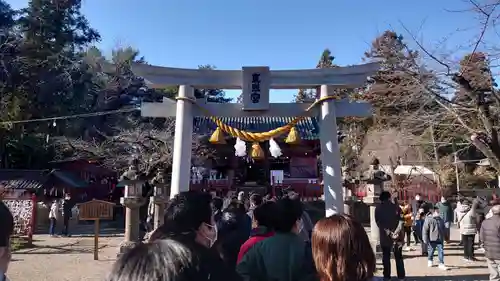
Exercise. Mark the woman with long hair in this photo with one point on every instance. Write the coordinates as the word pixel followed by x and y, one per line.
pixel 189 220
pixel 161 260
pixel 341 250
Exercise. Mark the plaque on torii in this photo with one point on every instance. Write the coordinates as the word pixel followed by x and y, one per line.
pixel 256 83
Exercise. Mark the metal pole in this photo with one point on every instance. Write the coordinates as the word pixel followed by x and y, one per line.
pixel 456 171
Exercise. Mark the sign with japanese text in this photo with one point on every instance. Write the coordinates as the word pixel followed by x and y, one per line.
pixel 256 84
pixel 95 209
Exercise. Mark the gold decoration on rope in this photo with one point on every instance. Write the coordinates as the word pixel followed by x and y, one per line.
pixel 257 152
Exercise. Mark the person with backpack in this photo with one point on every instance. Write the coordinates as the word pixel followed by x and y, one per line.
pixel 434 235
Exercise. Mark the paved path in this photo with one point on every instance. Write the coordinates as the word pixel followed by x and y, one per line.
pixel 71 259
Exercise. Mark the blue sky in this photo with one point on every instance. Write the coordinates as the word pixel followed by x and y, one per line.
pixel 281 34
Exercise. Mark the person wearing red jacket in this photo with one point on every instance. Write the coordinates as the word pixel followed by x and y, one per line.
pixel 262 222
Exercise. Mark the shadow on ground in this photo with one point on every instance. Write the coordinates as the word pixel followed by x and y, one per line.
pixel 69 248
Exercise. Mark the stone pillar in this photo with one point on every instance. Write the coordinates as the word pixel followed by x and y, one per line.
pixel 373 191
pixel 348 201
pixel 159 214
pixel 330 157
pixel 132 222
pixel 181 160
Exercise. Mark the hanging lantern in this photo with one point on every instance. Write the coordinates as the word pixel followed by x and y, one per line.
pixel 217 137
pixel 257 152
pixel 293 137
pixel 274 148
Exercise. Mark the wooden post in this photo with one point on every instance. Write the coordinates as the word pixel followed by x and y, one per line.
pixel 32 220
pixel 96 239
pixel 96 210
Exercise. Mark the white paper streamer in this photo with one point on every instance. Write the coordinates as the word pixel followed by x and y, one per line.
pixel 240 148
pixel 274 148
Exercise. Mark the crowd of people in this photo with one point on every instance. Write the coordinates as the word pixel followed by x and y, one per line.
pixel 207 238
pixel 431 223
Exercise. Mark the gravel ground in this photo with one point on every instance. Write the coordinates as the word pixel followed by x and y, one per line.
pixel 71 259
pixel 64 259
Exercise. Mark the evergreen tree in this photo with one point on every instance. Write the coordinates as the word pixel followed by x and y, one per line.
pixel 304 96
pixel 397 88
pixel 54 32
pixel 43 75
pixel 475 69
pixel 326 60
pixel 211 95
pixel 478 101
pixel 6 17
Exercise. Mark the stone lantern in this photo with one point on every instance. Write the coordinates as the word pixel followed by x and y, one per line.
pixel 374 179
pixel 159 198
pixel 132 201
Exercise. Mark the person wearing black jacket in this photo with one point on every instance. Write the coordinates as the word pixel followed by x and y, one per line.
pixel 232 233
pixel 189 221
pixel 67 206
pixel 489 236
pixel 6 231
pixel 217 204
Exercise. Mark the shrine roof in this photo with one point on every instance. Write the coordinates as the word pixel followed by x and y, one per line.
pixel 21 179
pixel 69 178
pixel 308 128
pixel 34 179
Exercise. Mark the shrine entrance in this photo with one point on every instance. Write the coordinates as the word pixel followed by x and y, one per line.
pixel 256 172
pixel 256 83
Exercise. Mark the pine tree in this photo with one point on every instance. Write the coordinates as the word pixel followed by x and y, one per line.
pixel 6 17
pixel 211 95
pixel 304 96
pixel 475 69
pixel 326 60
pixel 53 34
pixel 397 89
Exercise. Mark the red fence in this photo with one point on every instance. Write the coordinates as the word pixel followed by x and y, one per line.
pixel 429 192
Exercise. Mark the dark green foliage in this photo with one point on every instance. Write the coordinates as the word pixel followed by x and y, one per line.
pixel 49 68
pixel 42 76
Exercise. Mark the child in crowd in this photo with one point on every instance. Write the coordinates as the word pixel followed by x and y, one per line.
pixel 433 235
pixel 408 217
pixel 419 224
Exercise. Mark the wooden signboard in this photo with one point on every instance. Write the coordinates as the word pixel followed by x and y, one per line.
pixel 95 210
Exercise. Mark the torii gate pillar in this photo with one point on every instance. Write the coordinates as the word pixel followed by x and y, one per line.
pixel 181 160
pixel 330 157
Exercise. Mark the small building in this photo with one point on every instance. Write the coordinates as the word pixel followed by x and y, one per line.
pixel 99 181
pixel 299 163
pixel 20 184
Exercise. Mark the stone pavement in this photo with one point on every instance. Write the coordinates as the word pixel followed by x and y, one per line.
pixel 71 259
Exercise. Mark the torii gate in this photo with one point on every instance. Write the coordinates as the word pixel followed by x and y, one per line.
pixel 256 83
